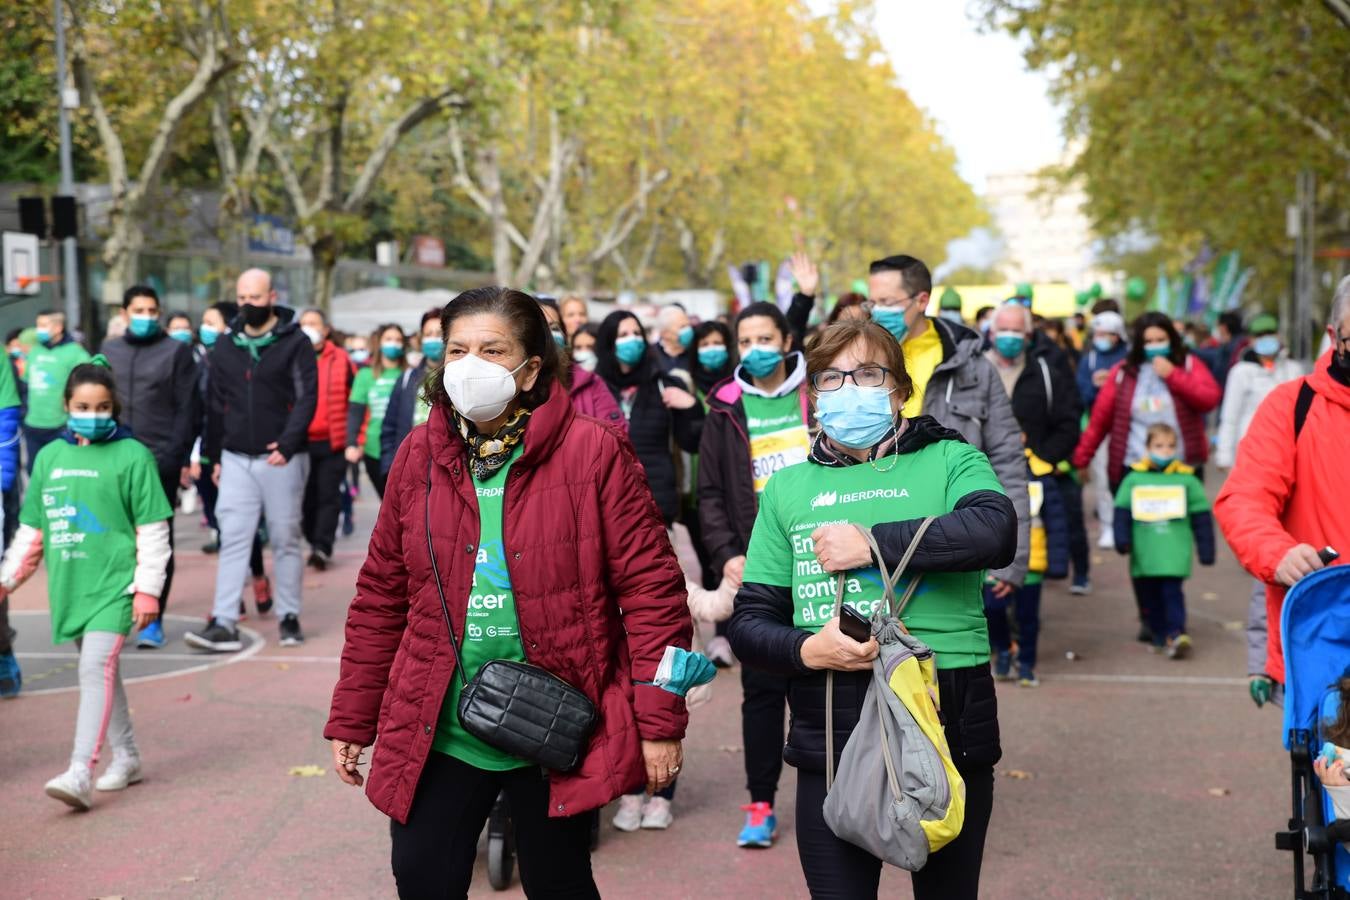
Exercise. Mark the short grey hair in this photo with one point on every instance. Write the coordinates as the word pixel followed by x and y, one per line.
pixel 1340 303
pixel 1021 308
pixel 668 315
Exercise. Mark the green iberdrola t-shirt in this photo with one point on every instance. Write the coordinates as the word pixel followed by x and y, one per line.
pixel 87 502
pixel 947 611
pixel 778 437
pixel 1161 503
pixel 373 393
pixel 48 369
pixel 491 629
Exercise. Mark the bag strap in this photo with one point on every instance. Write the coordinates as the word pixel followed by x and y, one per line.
pixel 1049 386
pixel 436 575
pixel 1306 394
pixel 893 608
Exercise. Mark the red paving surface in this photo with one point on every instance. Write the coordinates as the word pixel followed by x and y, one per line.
pixel 1124 775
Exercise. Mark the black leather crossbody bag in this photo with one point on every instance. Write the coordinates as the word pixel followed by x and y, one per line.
pixel 517 707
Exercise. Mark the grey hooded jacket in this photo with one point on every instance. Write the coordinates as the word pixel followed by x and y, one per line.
pixel 966 395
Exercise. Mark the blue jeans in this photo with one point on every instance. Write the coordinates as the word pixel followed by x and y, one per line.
pixel 1164 606
pixel 1026 604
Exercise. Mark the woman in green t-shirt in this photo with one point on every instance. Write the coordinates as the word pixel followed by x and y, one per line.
pixel 370 396
pixel 871 467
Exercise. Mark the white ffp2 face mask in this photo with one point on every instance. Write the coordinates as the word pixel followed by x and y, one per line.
pixel 480 390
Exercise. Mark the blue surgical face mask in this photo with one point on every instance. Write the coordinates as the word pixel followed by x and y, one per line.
pixel 391 352
pixel 1010 344
pixel 1104 345
pixel 43 336
pixel 1162 462
pixel 761 361
pixel 558 338
pixel 17 353
pixel 630 350
pixel 91 426
pixel 686 336
pixel 892 319
pixel 182 334
pixel 1266 345
pixel 712 357
pixel 952 315
pixel 433 348
pixel 360 357
pixel 208 335
pixel 856 417
pixel 1153 351
pixel 143 326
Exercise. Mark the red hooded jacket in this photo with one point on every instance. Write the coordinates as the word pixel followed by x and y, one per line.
pixel 336 373
pixel 1195 392
pixel 1283 491
pixel 598 589
pixel 592 398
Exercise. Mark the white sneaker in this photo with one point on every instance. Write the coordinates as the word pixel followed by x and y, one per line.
pixel 1107 541
pixel 719 652
pixel 71 787
pixel 121 772
pixel 629 816
pixel 656 814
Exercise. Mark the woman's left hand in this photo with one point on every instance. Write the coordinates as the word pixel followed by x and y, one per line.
pixel 1163 367
pixel 663 760
pixel 144 610
pixel 1333 775
pixel 841 548
pixel 676 398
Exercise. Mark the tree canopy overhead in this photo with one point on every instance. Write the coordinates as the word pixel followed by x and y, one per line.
pixel 1195 118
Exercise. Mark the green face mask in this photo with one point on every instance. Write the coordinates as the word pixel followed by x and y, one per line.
pixel 893 320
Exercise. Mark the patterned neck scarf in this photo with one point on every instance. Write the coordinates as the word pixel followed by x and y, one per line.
pixel 254 345
pixel 488 453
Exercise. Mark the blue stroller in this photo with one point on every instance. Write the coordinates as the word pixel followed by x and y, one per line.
pixel 1315 632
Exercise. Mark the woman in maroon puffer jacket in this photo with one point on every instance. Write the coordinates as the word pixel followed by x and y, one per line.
pixel 550 548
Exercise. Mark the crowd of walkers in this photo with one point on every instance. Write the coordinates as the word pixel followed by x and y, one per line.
pixel 589 497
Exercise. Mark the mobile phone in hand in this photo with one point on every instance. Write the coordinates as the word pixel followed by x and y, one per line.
pixel 1328 556
pixel 854 624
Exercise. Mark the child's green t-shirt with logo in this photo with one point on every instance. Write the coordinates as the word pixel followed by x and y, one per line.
pixel 1161 504
pixel 491 629
pixel 947 611
pixel 87 502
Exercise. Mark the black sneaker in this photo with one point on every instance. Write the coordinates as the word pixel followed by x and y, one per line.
pixel 216 637
pixel 291 636
pixel 213 546
pixel 1145 635
pixel 320 561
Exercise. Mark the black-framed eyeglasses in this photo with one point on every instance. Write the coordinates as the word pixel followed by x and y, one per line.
pixel 828 380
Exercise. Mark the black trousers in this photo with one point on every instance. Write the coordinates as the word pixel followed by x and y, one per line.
pixel 834 868
pixel 34 439
pixel 323 496
pixel 377 478
pixel 1072 494
pixel 168 479
pixel 433 854
pixel 763 704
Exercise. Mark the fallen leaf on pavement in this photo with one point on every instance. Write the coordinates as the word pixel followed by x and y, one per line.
pixel 1209 595
pixel 1018 774
pixel 730 748
pixel 1219 792
pixel 1234 625
pixel 188 879
pixel 307 771
pixel 185 698
pixel 283 666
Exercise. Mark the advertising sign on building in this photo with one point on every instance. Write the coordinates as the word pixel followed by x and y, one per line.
pixel 270 234
pixel 428 251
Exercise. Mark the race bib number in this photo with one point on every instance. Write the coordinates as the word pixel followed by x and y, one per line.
pixel 777 450
pixel 1035 494
pixel 1158 503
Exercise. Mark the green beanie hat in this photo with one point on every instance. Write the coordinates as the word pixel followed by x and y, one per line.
pixel 1023 289
pixel 950 299
pixel 1264 324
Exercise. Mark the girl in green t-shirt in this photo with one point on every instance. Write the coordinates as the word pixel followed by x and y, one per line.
pixel 369 400
pixel 96 511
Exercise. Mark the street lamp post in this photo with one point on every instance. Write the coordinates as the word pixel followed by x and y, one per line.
pixel 67 100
